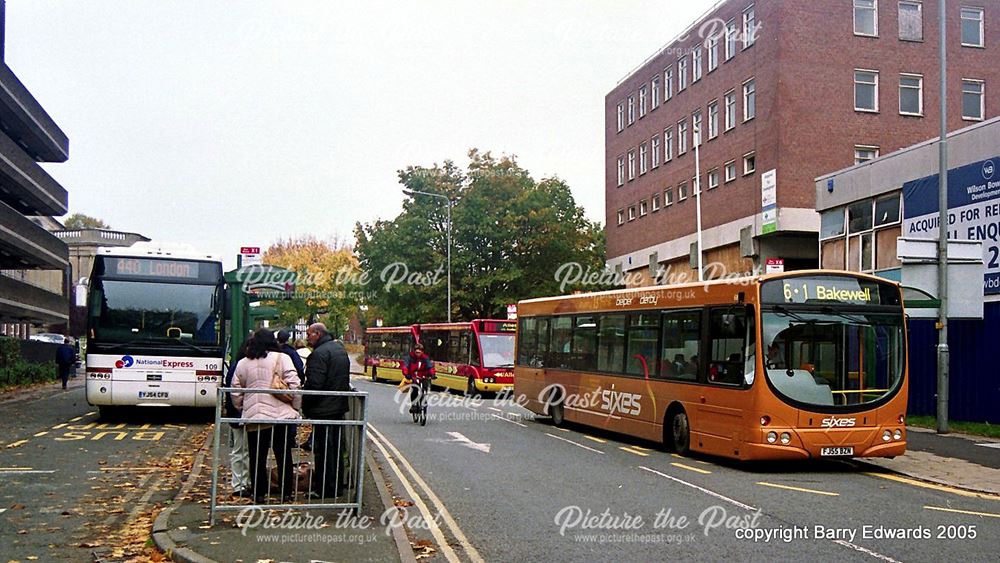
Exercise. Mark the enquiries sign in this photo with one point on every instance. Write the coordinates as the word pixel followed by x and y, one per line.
pixel 973 212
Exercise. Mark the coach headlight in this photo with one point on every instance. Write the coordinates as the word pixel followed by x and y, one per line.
pixel 772 437
pixel 786 438
pixel 897 435
pixel 886 436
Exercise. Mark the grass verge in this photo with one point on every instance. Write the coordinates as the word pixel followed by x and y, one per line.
pixel 974 428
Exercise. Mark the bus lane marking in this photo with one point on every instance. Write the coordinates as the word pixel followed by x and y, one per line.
pixel 28 472
pixel 689 468
pixel 987 514
pixel 588 448
pixel 631 451
pixel 505 419
pixel 16 444
pixel 702 489
pixel 799 489
pixel 595 439
pixel 933 486
pixel 40 434
pixel 442 510
pixel 678 456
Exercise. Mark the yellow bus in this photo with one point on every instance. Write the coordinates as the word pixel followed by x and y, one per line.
pixel 801 365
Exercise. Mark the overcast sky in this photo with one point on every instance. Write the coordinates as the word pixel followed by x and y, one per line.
pixel 222 123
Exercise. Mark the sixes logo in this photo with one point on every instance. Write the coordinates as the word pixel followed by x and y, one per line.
pixel 834 422
pixel 621 402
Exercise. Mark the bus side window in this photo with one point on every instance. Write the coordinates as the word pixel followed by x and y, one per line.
pixel 527 341
pixel 562 334
pixel 681 345
pixel 727 331
pixel 543 343
pixel 470 351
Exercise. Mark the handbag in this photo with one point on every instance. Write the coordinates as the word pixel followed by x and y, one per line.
pixel 278 382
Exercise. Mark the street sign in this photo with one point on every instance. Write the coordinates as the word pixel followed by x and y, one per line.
pixel 250 256
pixel 774 266
pixel 512 311
pixel 769 201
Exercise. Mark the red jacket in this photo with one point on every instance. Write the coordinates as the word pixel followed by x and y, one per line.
pixel 418 368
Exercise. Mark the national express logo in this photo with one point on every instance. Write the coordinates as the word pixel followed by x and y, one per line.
pixel 129 361
pixel 988 170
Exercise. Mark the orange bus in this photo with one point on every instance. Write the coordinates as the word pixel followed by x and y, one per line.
pixel 385 348
pixel 801 365
pixel 472 356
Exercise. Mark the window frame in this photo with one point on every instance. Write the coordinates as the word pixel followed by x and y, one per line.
pixel 631 213
pixel 643 101
pixel 655 92
pixel 752 155
pixel 682 131
pixel 920 94
pixel 875 95
pixel 682 191
pixel 713 119
pixel 621 170
pixel 668 144
pixel 643 158
pixel 631 165
pixel 621 217
pixel 668 196
pixel 920 14
pixel 631 110
pixel 731 96
pixel 643 208
pixel 654 149
pixel 621 116
pixel 982 99
pixel 982 26
pixel 874 10
pixel 697 128
pixel 712 51
pixel 682 72
pixel 859 148
pixel 712 184
pixel 746 99
pixel 725 168
pixel 749 26
pixel 697 60
pixel 654 202
pixel 731 39
pixel 668 83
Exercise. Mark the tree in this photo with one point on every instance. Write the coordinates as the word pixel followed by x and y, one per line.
pixel 327 288
pixel 510 235
pixel 81 221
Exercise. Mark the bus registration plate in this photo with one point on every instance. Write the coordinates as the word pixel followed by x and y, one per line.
pixel 836 451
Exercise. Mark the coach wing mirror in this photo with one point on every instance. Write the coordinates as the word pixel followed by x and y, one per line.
pixel 174 332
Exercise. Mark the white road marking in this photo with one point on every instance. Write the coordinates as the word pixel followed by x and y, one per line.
pixel 866 551
pixel 494 409
pixel 990 445
pixel 575 443
pixel 702 489
pixel 452 524
pixel 461 439
pixel 28 472
pixel 2 510
pixel 505 419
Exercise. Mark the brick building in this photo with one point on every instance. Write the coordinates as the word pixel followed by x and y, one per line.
pixel 798 87
pixel 29 136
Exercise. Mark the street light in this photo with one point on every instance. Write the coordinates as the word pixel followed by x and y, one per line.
pixel 449 203
pixel 697 197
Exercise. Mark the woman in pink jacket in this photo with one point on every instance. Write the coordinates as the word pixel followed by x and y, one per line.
pixel 255 371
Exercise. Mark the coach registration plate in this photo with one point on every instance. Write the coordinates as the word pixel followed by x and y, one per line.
pixel 836 451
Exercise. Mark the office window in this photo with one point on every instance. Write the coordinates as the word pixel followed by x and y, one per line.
pixel 860 216
pixel 730 109
pixel 681 345
pixel 866 90
pixel 911 94
pixel 682 137
pixel 668 197
pixel 668 83
pixel 972 27
pixel 864 153
pixel 730 168
pixel 713 178
pixel 866 17
pixel 631 165
pixel 642 101
pixel 621 117
pixel 621 217
pixel 972 100
pixel 668 144
pixel 696 58
pixel 831 223
pixel 631 110
pixel 749 163
pixel 713 119
pixel 621 170
pixel 887 210
pixel 643 158
pixel 730 39
pixel 713 53
pixel 631 213
pixel 656 91
pixel 654 148
pixel 749 100
pixel 696 129
pixel 911 21
pixel 749 26
pixel 643 208
pixel 682 191
pixel 682 73
pixel 656 202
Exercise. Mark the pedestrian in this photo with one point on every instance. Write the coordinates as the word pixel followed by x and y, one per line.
pixel 283 336
pixel 65 360
pixel 263 365
pixel 302 347
pixel 239 458
pixel 328 369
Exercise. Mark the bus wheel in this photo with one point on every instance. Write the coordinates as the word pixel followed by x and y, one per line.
pixel 375 374
pixel 680 432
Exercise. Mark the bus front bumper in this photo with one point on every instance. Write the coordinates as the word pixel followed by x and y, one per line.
pixel 810 444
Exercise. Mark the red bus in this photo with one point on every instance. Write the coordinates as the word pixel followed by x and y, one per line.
pixel 472 356
pixel 801 365
pixel 385 348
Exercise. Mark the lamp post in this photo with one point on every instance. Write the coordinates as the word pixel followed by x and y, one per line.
pixel 942 325
pixel 697 197
pixel 449 203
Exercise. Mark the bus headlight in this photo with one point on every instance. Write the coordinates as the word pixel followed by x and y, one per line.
pixel 897 435
pixel 772 437
pixel 886 436
pixel 786 438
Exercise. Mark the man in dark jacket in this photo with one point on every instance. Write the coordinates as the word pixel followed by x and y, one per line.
pixel 329 369
pixel 65 360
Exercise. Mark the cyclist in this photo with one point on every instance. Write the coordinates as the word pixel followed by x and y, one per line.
pixel 419 368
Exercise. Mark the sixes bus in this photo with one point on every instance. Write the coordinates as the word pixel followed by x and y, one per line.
pixel 790 366
pixel 154 328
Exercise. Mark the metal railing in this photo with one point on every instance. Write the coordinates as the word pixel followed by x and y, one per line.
pixel 295 475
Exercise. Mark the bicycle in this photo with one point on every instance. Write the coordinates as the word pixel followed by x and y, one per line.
pixel 420 413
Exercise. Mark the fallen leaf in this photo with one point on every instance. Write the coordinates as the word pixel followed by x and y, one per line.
pixel 17 507
pixel 22 532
